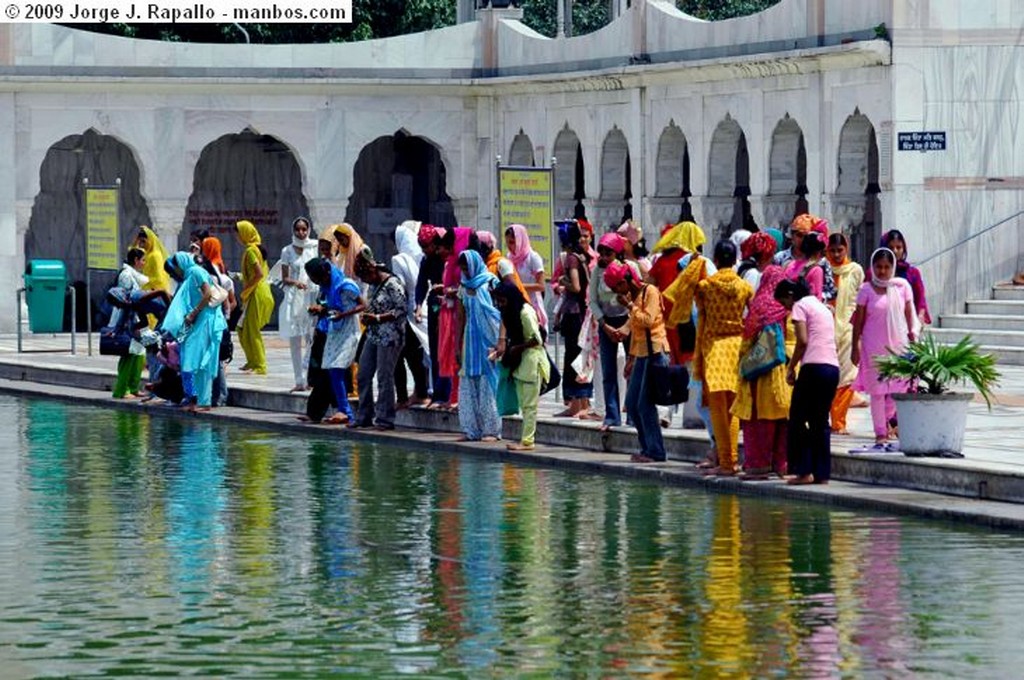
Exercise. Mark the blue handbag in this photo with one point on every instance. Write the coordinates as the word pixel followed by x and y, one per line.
pixel 767 352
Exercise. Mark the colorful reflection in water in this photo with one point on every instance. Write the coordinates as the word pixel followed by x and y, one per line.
pixel 140 546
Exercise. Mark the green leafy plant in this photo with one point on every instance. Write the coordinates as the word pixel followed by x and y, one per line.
pixel 935 366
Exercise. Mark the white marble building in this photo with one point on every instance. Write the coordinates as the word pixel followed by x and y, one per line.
pixel 802 102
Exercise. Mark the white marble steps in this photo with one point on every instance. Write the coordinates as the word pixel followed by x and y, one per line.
pixel 996 324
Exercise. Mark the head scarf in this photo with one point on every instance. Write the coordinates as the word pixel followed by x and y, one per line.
pixel 521 248
pixel 406 242
pixel 888 237
pixel 759 246
pixel 211 249
pixel 428 234
pixel 896 320
pixel 739 237
pixel 187 296
pixel 630 231
pixel 248 233
pixel 355 244
pixel 183 261
pixel 615 273
pixel 487 238
pixel 821 227
pixel 452 273
pixel 564 236
pixel 612 242
pixel 482 319
pixel 687 236
pixel 803 223
pixel 308 243
pixel 411 225
pixel 780 238
pixel 764 309
pixel 153 265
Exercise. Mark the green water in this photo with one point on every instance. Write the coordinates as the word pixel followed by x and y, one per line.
pixel 137 546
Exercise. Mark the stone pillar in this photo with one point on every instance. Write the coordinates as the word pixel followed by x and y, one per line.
pixel 467 211
pixel 758 208
pixel 168 216
pixel 325 212
pixel 11 239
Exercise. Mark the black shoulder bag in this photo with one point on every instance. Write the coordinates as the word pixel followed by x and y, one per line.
pixel 666 385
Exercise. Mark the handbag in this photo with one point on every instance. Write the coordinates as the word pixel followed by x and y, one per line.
pixel 767 352
pixel 114 341
pixel 555 378
pixel 666 385
pixel 217 295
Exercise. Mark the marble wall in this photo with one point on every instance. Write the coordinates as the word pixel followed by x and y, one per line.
pixel 656 87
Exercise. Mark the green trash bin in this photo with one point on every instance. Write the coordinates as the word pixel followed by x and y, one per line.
pixel 46 282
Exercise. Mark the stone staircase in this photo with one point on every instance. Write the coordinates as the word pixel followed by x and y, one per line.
pixel 996 324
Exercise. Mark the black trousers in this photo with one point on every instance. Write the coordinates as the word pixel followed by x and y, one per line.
pixel 412 354
pixel 809 434
pixel 322 395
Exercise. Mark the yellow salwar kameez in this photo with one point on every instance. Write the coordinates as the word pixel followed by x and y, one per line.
pixel 257 300
pixel 721 299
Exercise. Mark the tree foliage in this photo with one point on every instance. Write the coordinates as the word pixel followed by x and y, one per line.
pixel 387 18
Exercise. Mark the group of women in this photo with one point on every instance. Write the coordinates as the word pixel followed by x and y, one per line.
pixel 780 339
pixel 785 339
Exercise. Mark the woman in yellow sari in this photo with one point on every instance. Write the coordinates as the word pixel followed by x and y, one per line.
pixel 257 300
pixel 848 278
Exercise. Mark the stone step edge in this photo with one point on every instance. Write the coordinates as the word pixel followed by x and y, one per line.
pixel 690 446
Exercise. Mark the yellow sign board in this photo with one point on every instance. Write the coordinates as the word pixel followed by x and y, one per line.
pixel 524 197
pixel 103 244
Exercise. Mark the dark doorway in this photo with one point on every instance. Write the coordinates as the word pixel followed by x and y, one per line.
pixel 57 226
pixel 398 178
pixel 245 176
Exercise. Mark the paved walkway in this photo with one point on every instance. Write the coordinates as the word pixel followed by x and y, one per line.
pixel 993 466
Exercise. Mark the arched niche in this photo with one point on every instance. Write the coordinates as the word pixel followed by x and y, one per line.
pixel 728 206
pixel 248 176
pixel 616 172
pixel 520 154
pixel 856 205
pixel 570 187
pixel 398 177
pixel 787 174
pixel 672 170
pixel 57 225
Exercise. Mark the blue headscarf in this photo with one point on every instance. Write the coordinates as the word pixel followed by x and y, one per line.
pixel 188 294
pixel 341 295
pixel 483 320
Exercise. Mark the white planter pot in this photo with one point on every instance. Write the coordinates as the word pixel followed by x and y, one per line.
pixel 932 424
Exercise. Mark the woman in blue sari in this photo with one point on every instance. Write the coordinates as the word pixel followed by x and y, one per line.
pixel 197 327
pixel 478 409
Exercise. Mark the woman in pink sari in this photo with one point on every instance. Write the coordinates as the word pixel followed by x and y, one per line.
pixel 449 334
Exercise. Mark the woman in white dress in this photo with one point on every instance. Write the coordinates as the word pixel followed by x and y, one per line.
pixel 293 321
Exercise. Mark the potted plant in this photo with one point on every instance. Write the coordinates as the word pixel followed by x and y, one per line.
pixel 932 419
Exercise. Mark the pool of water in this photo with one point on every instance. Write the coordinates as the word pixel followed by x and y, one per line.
pixel 144 546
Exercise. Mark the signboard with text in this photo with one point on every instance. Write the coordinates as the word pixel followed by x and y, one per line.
pixel 525 197
pixel 921 141
pixel 102 239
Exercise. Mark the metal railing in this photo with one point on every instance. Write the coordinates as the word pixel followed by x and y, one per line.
pixel 970 238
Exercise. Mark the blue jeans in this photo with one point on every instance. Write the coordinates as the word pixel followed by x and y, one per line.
pixel 643 411
pixel 610 369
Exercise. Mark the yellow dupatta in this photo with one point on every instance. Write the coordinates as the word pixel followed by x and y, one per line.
pixel 153 264
pixel 682 290
pixel 849 278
